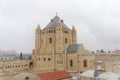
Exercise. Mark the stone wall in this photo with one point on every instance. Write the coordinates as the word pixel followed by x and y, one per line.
pixel 15 66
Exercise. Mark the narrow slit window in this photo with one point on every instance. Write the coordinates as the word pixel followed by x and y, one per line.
pixel 71 63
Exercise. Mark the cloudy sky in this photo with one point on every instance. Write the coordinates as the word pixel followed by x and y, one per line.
pixel 97 22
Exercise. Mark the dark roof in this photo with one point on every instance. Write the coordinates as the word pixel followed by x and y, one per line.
pixel 53 22
pixel 57 75
pixel 73 48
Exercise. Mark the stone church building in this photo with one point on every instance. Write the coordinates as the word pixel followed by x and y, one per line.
pixel 56 48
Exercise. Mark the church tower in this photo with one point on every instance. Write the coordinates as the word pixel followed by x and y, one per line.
pixel 51 43
pixel 56 48
pixel 37 39
pixel 74 35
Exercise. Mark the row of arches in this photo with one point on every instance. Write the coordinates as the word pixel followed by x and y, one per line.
pixel 30 65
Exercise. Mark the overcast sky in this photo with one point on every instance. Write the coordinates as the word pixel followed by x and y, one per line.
pixel 97 22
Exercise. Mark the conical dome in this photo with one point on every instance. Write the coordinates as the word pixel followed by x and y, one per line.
pixel 52 24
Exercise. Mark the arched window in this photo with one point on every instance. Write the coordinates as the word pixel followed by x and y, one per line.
pixel 71 63
pixel 85 63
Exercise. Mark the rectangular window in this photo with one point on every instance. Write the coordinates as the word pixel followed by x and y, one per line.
pixel 71 63
pixel 85 63
pixel 50 40
pixel 65 40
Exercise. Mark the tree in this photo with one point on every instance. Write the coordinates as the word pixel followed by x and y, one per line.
pixel 21 55
pixel 102 51
pixel 30 57
pixel 109 51
pixel 97 50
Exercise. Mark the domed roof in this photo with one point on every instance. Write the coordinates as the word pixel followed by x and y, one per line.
pixel 53 22
pixel 109 76
pixel 26 76
pixel 89 73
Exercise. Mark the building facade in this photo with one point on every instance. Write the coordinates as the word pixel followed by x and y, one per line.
pixel 56 48
pixel 108 61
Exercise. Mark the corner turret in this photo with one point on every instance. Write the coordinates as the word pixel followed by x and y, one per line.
pixel 74 35
pixel 38 38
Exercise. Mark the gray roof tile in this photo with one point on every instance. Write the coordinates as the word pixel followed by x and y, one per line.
pixel 53 23
pixel 73 48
